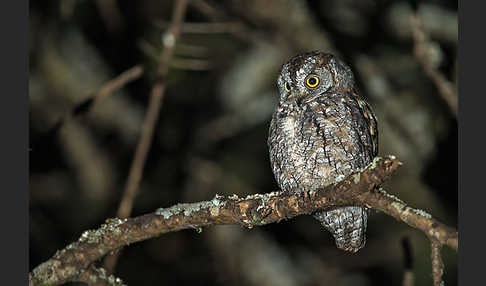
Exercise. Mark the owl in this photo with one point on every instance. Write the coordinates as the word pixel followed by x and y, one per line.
pixel 322 131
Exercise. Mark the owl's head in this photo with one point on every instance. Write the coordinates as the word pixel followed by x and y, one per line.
pixel 308 76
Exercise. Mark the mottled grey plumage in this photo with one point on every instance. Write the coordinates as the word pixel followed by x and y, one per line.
pixel 321 134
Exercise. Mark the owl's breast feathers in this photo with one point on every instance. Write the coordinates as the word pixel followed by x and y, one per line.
pixel 322 141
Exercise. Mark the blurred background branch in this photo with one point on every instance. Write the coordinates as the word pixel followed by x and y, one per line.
pixel 157 94
pixel 425 51
pixel 408 277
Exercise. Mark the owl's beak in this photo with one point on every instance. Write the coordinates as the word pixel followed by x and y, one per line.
pixel 297 98
pixel 312 98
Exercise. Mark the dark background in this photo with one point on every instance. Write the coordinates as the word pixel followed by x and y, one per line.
pixel 211 135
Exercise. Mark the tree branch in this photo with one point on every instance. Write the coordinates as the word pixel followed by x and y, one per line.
pixel 254 210
pixel 437 264
pixel 416 218
pixel 98 277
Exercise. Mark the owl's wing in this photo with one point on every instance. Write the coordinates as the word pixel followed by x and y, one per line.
pixel 370 120
pixel 273 145
pixel 272 130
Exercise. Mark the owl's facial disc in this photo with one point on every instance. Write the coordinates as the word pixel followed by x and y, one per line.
pixel 309 76
pixel 306 77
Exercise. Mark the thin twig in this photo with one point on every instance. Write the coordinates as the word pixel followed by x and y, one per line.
pixel 141 152
pixel 120 81
pixel 437 264
pixel 254 210
pixel 237 28
pixel 152 115
pixel 156 97
pixel 212 13
pixel 190 64
pixel 447 90
pixel 207 28
pixel 107 89
pixel 193 50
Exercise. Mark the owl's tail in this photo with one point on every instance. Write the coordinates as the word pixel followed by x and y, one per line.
pixel 347 225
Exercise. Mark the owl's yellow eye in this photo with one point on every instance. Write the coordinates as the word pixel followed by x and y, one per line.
pixel 287 87
pixel 312 81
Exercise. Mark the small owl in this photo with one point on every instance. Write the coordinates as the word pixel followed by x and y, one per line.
pixel 322 131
